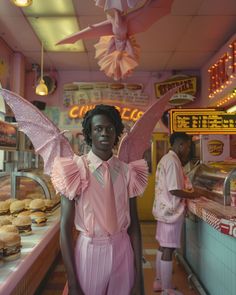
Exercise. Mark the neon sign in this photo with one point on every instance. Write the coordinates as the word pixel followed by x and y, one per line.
pixel 223 71
pixel 127 114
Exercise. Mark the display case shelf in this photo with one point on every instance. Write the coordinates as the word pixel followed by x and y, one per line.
pixel 34 178
pixel 213 181
pixel 38 252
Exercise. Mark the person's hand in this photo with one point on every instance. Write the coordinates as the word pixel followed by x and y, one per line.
pixel 194 195
pixel 198 192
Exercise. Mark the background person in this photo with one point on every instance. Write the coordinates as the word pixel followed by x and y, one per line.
pixel 169 208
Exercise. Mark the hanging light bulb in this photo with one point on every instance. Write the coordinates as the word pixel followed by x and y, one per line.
pixel 22 3
pixel 41 88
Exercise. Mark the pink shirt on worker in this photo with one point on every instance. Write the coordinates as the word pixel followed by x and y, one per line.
pixel 169 176
pixel 81 178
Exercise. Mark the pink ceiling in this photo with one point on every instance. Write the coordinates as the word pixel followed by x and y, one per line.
pixel 185 39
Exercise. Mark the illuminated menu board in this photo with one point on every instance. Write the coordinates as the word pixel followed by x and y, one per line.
pixel 202 121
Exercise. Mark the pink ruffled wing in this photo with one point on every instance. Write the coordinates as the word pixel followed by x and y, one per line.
pixel 46 138
pixel 134 144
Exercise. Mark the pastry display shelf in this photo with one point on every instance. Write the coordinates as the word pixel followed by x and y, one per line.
pixel 23 276
pixel 39 179
pixel 214 181
pixel 33 177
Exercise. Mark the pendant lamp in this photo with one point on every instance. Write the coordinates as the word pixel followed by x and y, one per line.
pixel 22 3
pixel 41 88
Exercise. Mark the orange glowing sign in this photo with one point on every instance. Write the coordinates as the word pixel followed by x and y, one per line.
pixel 127 114
pixel 222 71
pixel 202 121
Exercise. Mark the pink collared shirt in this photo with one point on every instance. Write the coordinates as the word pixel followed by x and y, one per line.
pixel 81 178
pixel 169 176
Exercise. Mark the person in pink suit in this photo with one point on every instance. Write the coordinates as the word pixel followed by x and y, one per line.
pixel 98 197
pixel 169 208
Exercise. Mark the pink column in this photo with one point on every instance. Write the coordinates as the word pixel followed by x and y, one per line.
pixel 18 73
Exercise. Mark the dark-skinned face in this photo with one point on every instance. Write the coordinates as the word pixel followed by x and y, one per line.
pixel 103 136
pixel 184 151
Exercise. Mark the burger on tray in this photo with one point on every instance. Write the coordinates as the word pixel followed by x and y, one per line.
pixel 17 207
pixel 49 205
pixel 4 208
pixel 37 205
pixel 4 220
pixel 23 223
pixel 12 245
pixel 9 228
pixel 38 218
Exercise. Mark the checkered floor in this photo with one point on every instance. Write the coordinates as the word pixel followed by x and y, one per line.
pixel 55 279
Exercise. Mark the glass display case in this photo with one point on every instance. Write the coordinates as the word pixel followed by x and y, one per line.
pixel 25 184
pixel 21 175
pixel 38 251
pixel 215 181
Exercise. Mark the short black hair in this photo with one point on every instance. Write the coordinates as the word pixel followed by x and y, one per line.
pixel 110 112
pixel 179 136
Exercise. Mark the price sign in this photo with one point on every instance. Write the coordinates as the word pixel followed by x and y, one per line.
pixel 202 121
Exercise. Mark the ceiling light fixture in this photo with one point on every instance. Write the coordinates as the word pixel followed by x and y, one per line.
pixel 53 22
pixel 22 3
pixel 52 28
pixel 41 88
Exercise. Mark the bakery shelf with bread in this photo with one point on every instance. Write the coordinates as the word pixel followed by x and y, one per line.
pixel 21 184
pixel 31 184
pixel 5 185
pixel 21 173
pixel 29 220
pixel 37 252
pixel 22 187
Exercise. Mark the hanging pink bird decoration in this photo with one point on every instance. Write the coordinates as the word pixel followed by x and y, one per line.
pixel 117 50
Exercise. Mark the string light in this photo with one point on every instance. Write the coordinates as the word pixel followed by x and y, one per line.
pixel 227 99
pixel 223 72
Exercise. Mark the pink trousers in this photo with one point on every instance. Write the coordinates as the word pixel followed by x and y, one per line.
pixel 105 266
